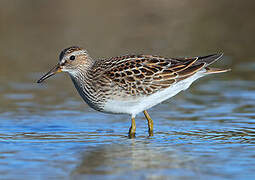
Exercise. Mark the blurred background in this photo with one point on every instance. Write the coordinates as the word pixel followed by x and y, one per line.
pixel 34 32
pixel 34 117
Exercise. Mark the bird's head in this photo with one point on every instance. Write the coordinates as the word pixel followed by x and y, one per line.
pixel 71 60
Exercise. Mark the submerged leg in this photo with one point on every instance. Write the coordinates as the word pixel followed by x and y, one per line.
pixel 150 122
pixel 132 128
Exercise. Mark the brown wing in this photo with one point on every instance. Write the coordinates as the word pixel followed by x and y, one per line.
pixel 147 74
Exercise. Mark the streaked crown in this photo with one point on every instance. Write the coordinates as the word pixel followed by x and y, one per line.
pixel 73 57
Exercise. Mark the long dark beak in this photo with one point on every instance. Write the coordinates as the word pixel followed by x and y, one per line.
pixel 53 71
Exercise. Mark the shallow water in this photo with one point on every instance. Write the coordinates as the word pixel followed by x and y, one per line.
pixel 48 132
pixel 207 131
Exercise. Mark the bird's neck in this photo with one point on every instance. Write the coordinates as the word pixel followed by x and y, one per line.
pixel 83 84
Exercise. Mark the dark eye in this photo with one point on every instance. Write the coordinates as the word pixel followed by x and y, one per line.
pixel 72 58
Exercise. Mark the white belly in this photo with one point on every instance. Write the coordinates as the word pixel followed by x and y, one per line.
pixel 137 105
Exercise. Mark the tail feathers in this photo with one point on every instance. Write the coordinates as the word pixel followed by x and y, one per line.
pixel 209 59
pixel 210 70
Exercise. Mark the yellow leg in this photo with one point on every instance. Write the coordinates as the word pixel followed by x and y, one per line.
pixel 132 128
pixel 150 122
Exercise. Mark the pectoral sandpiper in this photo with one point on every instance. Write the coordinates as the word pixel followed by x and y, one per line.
pixel 130 84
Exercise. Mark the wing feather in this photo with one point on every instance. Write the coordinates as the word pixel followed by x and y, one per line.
pixel 147 74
